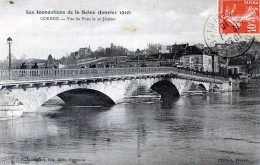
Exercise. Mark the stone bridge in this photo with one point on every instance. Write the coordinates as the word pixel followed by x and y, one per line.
pixel 92 86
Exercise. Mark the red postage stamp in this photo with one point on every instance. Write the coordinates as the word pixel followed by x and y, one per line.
pixel 238 16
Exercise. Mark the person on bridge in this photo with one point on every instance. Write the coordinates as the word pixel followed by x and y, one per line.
pixel 23 66
pixel 35 66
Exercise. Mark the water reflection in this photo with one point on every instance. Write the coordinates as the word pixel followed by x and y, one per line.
pixel 204 129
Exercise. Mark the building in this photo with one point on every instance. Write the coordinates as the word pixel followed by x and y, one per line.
pixel 169 48
pixel 243 66
pixel 231 49
pixel 194 58
pixel 236 68
pixel 216 60
pixel 84 53
pixel 176 48
pixel 163 49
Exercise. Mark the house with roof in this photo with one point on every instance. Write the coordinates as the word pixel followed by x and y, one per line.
pixel 196 59
pixel 247 65
pixel 237 67
pixel 84 53
pixel 218 63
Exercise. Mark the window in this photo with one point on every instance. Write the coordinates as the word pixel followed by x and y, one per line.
pixel 196 60
pixel 205 60
pixel 187 60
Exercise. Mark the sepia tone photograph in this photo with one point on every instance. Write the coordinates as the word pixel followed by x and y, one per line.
pixel 134 82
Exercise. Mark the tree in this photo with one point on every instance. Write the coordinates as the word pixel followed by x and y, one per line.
pixel 153 48
pixel 100 52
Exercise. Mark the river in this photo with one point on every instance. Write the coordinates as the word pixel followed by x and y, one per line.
pixel 219 128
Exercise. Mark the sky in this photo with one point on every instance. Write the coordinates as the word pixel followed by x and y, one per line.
pixel 151 21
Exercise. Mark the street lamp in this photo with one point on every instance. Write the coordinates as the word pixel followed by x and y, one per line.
pixel 9 42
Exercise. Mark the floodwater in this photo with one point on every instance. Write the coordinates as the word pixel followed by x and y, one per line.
pixel 212 129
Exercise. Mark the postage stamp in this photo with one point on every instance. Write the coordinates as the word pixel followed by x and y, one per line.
pixel 238 16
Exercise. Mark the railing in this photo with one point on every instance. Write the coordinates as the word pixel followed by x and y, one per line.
pixel 38 74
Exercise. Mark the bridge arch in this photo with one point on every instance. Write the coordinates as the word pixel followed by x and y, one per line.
pixel 85 97
pixel 165 88
pixel 111 91
pixel 202 87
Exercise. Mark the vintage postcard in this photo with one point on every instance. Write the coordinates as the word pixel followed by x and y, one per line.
pixel 143 82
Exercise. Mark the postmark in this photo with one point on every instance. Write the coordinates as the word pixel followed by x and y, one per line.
pixel 238 16
pixel 227 45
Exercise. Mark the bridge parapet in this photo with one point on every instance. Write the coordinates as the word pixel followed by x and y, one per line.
pixel 45 74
